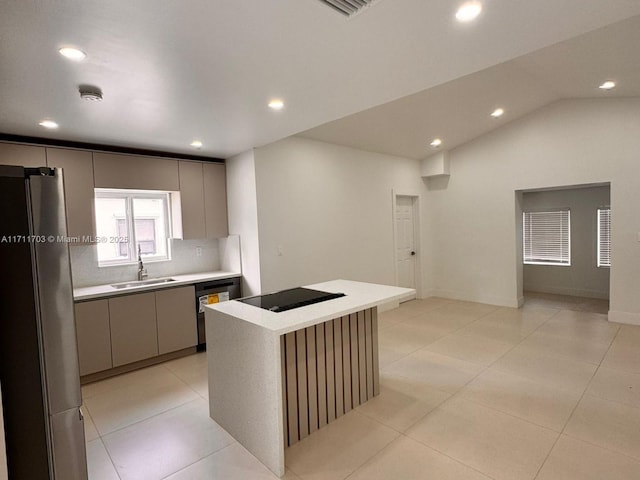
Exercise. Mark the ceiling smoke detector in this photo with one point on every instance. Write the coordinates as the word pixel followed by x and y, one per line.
pixel 90 93
pixel 348 7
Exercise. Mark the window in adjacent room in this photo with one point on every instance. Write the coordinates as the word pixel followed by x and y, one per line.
pixel 130 219
pixel 547 237
pixel 604 237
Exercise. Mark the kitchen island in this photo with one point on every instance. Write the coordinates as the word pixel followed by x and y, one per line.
pixel 275 377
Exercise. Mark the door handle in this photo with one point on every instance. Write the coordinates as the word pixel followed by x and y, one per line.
pixel 413 253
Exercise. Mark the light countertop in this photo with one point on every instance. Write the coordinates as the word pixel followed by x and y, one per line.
pixel 359 296
pixel 103 291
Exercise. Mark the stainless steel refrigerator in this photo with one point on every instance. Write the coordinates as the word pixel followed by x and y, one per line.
pixel 39 376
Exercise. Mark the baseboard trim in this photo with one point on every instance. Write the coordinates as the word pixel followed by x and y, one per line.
pixel 489 300
pixel 130 367
pixel 573 292
pixel 624 317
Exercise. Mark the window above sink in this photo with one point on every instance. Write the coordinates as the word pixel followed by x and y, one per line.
pixel 130 219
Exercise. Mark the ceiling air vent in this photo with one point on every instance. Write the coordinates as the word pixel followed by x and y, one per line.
pixel 348 7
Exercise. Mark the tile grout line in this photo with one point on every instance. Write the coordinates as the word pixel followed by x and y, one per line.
pixel 622 404
pixel 637 460
pixel 149 418
pixel 616 452
pixel 186 384
pixel 355 411
pixel 457 394
pixel 448 456
pixel 438 405
pixel 113 464
pixel 153 416
pixel 401 433
pixel 575 407
pixel 484 369
pixel 202 458
pixel 559 434
pixel 404 435
pixel 515 375
pixel 441 337
pixel 132 372
pixel 162 413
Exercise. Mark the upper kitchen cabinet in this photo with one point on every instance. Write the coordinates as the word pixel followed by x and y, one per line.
pixel 192 200
pixel 215 200
pixel 135 172
pixel 24 155
pixel 78 185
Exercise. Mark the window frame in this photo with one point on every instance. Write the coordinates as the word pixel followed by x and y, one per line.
pixel 556 263
pixel 599 237
pixel 129 196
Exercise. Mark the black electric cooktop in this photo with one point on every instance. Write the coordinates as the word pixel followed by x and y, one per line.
pixel 289 299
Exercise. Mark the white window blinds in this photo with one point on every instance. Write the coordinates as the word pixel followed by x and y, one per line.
pixel 547 237
pixel 604 237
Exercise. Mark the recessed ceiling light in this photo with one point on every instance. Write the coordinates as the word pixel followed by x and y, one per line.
pixel 48 124
pixel 72 53
pixel 608 85
pixel 436 143
pixel 276 104
pixel 196 144
pixel 469 11
pixel 497 113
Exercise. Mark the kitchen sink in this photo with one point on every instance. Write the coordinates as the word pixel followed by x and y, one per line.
pixel 142 283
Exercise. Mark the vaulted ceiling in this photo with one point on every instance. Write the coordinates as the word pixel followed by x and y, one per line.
pixel 172 72
pixel 460 110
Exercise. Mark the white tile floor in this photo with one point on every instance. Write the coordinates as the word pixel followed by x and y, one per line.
pixel 469 391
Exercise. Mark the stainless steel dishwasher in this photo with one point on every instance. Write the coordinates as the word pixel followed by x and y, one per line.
pixel 213 291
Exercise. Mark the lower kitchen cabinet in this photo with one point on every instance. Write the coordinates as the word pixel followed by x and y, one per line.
pixel 176 314
pixel 94 336
pixel 134 335
pixel 125 329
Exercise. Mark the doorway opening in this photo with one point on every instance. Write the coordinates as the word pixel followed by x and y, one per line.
pixel 563 247
pixel 406 210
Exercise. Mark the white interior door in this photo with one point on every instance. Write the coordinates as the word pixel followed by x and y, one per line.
pixel 405 241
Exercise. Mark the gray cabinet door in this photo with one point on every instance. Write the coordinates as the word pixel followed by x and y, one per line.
pixel 24 155
pixel 77 170
pixel 134 334
pixel 136 172
pixel 215 200
pixel 192 200
pixel 177 323
pixel 94 336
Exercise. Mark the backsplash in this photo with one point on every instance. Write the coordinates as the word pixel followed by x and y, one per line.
pixel 85 271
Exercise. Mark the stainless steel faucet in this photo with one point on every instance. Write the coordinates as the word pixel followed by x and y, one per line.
pixel 142 272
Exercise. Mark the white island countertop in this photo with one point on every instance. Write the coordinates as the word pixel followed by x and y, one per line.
pixel 358 296
pixel 246 363
pixel 103 291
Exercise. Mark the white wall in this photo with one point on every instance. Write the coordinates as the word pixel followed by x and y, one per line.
pixel 567 143
pixel 583 277
pixel 328 210
pixel 243 217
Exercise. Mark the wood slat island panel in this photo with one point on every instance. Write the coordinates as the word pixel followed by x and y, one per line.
pixel 311 356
